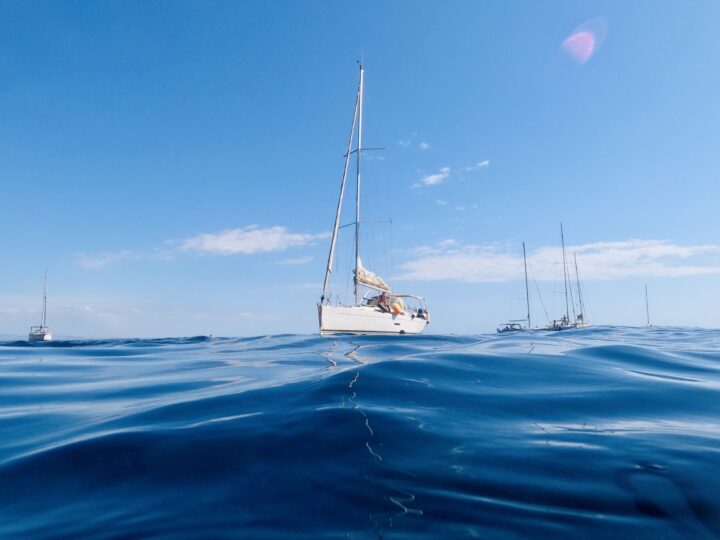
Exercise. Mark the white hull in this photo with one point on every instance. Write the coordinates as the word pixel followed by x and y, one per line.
pixel 367 320
pixel 44 335
pixel 570 326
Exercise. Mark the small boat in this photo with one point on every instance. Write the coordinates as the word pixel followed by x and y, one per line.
pixel 647 308
pixel 376 309
pixel 515 325
pixel 512 326
pixel 41 332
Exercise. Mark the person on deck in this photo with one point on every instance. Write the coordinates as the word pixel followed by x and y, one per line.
pixel 384 302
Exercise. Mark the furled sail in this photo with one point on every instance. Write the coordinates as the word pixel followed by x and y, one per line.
pixel 369 279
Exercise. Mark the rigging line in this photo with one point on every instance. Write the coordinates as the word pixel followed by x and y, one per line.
pixel 542 303
pixel 357 118
pixel 365 150
pixel 364 222
pixel 577 279
pixel 587 312
pixel 565 273
pixel 572 300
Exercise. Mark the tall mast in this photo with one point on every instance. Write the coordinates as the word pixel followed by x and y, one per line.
pixel 565 274
pixel 44 310
pixel 331 255
pixel 647 307
pixel 357 194
pixel 577 278
pixel 527 291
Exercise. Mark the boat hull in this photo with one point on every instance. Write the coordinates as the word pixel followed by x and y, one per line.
pixel 40 336
pixel 367 320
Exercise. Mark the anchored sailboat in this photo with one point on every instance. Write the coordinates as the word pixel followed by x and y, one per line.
pixel 42 332
pixel 515 325
pixel 565 323
pixel 580 318
pixel 377 309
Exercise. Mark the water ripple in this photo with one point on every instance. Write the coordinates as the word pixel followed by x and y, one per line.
pixel 592 433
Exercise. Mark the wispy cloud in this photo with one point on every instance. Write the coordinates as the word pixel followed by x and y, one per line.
pixel 405 143
pixel 424 146
pixel 244 241
pixel 434 179
pixel 452 261
pixel 297 261
pixel 478 165
pixel 247 240
pixel 100 260
pixel 445 172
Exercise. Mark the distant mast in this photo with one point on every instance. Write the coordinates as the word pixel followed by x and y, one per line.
pixel 43 322
pixel 565 274
pixel 579 290
pixel 647 307
pixel 527 291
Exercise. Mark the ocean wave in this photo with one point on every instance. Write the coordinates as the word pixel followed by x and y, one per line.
pixel 597 432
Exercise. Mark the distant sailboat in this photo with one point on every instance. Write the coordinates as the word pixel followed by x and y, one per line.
pixel 378 310
pixel 42 332
pixel 565 323
pixel 515 325
pixel 580 318
pixel 647 308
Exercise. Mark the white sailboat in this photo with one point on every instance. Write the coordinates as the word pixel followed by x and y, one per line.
pixel 42 332
pixel 516 324
pixel 376 309
pixel 580 318
pixel 565 323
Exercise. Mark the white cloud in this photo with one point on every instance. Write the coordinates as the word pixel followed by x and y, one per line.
pixel 434 179
pixel 451 261
pixel 405 143
pixel 441 202
pixel 424 146
pixel 479 165
pixel 297 261
pixel 247 240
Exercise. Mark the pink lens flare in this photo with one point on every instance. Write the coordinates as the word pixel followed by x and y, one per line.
pixel 586 40
pixel 580 46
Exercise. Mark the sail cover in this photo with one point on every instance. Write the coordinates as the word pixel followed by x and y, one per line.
pixel 369 279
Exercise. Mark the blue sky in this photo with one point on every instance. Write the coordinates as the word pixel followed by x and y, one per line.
pixel 175 165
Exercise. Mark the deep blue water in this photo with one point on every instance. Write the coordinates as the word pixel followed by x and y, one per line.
pixel 593 433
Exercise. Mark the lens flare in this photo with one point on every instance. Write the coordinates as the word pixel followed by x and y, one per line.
pixel 586 40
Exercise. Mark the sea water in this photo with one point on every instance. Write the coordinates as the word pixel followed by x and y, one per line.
pixel 594 433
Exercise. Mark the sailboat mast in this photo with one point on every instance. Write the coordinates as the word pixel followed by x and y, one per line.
pixel 647 306
pixel 577 278
pixel 44 310
pixel 527 291
pixel 565 273
pixel 357 194
pixel 331 255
